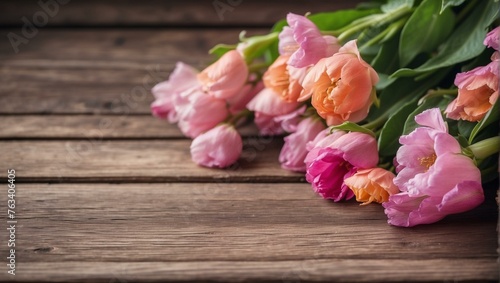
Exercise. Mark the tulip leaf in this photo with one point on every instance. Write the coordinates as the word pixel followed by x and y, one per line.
pixel 221 49
pixel 338 19
pixel 465 43
pixel 385 62
pixel 352 127
pixel 448 3
pixel 465 128
pixel 403 90
pixel 388 141
pixel 491 116
pixel 425 30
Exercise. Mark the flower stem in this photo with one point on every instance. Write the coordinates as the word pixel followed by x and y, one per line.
pixel 485 147
pixel 438 92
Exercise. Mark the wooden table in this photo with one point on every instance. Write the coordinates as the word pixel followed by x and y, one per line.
pixel 107 193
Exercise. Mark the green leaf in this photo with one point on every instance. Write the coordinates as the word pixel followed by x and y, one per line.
pixel 465 128
pixel 385 61
pixel 440 102
pixel 401 91
pixel 448 3
pixel 465 43
pixel 221 49
pixel 490 117
pixel 388 141
pixel 352 127
pixel 425 30
pixel 338 19
pixel 392 5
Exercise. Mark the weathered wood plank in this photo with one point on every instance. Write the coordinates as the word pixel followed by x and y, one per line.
pixel 93 127
pixel 121 46
pixel 321 270
pixel 94 159
pixel 165 13
pixel 229 222
pixel 108 71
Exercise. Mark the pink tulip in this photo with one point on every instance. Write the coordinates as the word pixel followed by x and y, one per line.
pixel 239 102
pixel 182 78
pixel 304 42
pixel 269 110
pixel 328 166
pixel 435 178
pixel 199 112
pixel 294 151
pixel 477 92
pixel 226 77
pixel 218 147
pixel 492 39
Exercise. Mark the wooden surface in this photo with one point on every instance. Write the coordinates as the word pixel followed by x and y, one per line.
pixel 107 193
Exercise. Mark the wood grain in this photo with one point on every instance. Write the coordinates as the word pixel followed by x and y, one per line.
pixel 235 232
pixel 229 222
pixel 321 270
pixel 98 160
pixel 93 127
pixel 167 13
pixel 109 71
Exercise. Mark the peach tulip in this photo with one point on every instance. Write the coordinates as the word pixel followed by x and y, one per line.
pixel 342 86
pixel 285 79
pixel 373 184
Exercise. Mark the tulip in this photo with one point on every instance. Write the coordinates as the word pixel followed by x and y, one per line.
pixel 303 42
pixel 373 184
pixel 328 166
pixel 492 39
pixel 434 177
pixel 271 112
pixel 218 147
pixel 294 150
pixel 284 79
pixel 342 86
pixel 226 77
pixel 182 78
pixel 477 92
pixel 199 112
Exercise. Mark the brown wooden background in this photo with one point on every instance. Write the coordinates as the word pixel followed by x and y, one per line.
pixel 107 193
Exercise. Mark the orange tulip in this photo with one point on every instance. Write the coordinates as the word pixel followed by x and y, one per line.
pixel 341 86
pixel 371 185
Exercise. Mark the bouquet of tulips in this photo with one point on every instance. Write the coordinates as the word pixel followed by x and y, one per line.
pixel 393 102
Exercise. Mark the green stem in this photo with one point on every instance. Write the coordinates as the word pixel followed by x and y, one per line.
pixel 386 34
pixel 234 119
pixel 380 121
pixel 438 92
pixel 485 147
pixel 257 67
pixel 378 20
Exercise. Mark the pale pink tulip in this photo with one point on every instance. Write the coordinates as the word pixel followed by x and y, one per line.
pixel 218 147
pixel 269 110
pixel 303 41
pixel 492 39
pixel 182 78
pixel 226 77
pixel 294 150
pixel 328 166
pixel 342 86
pixel 239 102
pixel 435 178
pixel 199 112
